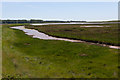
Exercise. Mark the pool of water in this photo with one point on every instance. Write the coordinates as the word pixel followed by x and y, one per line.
pixel 76 23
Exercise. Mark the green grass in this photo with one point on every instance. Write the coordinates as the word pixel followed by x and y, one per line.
pixel 99 34
pixel 0 51
pixel 24 57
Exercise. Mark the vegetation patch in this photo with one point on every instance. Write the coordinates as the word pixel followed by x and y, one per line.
pixel 106 35
pixel 27 57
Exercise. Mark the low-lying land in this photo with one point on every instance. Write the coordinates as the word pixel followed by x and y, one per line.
pixel 24 56
pixel 107 34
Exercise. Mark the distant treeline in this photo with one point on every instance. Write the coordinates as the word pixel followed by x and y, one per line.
pixel 33 21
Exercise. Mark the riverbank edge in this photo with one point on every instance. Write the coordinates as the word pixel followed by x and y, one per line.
pixel 90 41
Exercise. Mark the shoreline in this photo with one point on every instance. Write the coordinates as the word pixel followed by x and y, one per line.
pixel 41 35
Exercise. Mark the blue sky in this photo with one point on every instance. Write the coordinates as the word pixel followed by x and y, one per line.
pixel 60 10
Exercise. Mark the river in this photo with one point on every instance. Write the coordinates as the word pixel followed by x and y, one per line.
pixel 40 35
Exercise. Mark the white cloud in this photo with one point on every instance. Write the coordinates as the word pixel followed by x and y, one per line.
pixel 60 0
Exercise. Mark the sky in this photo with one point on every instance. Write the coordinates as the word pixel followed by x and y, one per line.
pixel 60 0
pixel 82 11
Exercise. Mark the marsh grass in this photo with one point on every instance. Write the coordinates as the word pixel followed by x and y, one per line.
pixel 107 34
pixel 55 59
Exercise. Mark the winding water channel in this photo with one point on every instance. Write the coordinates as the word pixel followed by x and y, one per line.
pixel 40 35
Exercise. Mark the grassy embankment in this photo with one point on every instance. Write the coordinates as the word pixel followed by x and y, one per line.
pixel 24 56
pixel 108 35
pixel 0 51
